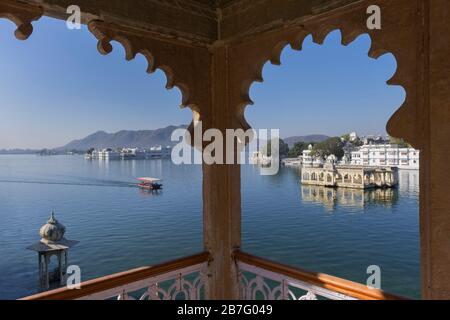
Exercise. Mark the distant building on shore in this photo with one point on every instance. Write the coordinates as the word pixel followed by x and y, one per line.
pixel 375 151
pixel 308 160
pixel 156 152
pixel 368 151
pixel 374 139
pixel 386 155
pixel 260 158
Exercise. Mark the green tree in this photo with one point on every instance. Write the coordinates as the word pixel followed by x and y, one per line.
pixel 400 142
pixel 346 137
pixel 356 143
pixel 297 149
pixel 283 148
pixel 333 145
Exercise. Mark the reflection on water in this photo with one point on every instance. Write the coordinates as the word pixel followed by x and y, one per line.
pixel 150 193
pixel 345 197
pixel 330 198
pixel 409 181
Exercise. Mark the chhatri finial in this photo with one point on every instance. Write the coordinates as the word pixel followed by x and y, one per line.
pixel 52 217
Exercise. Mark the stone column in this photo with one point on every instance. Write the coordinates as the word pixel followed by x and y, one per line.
pixel 221 190
pixel 46 270
pixel 41 271
pixel 435 154
pixel 60 268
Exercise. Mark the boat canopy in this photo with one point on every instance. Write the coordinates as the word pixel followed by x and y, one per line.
pixel 149 180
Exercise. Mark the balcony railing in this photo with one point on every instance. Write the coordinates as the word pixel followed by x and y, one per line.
pixel 268 280
pixel 185 279
pixel 179 279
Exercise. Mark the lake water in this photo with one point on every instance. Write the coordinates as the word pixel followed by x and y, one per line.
pixel 340 232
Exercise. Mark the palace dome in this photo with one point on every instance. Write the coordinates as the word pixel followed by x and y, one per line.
pixel 52 231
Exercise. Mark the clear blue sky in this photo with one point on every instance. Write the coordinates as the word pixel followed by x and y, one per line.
pixel 56 87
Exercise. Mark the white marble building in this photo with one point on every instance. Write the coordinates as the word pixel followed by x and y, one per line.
pixel 308 160
pixel 390 155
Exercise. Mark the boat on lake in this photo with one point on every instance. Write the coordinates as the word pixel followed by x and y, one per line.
pixel 150 183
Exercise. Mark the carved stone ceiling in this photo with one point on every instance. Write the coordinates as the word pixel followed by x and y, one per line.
pixel 196 21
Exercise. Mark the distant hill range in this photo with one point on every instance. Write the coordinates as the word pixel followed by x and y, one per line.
pixel 18 151
pixel 142 139
pixel 308 139
pixel 125 138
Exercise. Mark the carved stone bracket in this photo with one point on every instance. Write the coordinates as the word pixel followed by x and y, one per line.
pixel 399 35
pixel 22 15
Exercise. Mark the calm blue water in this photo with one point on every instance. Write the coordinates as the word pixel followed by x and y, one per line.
pixel 340 232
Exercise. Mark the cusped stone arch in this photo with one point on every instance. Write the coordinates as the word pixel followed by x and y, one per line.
pixel 357 179
pixel 192 79
pixel 249 55
pixel 170 57
pixel 347 178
